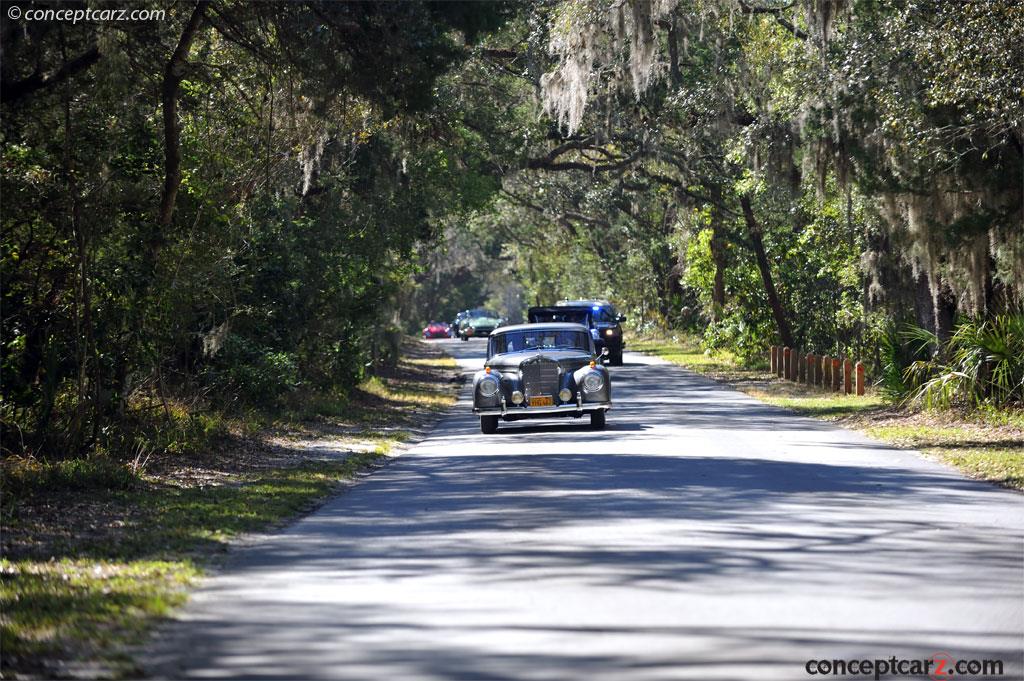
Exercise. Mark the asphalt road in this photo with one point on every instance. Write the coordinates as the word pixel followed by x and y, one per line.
pixel 703 535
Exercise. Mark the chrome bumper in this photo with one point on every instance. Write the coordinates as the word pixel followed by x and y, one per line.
pixel 578 408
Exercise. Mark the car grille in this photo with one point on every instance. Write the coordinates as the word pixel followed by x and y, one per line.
pixel 540 378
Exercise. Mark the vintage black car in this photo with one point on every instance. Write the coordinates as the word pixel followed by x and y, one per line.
pixel 541 371
pixel 598 315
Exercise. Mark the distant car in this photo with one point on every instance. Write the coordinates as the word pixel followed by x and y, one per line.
pixel 436 330
pixel 463 317
pixel 541 371
pixel 479 324
pixel 453 328
pixel 599 316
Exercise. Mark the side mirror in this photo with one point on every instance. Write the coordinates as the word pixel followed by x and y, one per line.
pixel 621 318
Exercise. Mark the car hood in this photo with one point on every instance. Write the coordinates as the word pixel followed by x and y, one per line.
pixel 570 360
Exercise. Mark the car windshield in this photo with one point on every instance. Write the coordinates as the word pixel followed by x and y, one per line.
pixel 573 316
pixel 541 339
pixel 604 315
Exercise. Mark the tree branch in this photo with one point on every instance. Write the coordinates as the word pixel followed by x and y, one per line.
pixel 500 53
pixel 774 10
pixel 551 163
pixel 11 92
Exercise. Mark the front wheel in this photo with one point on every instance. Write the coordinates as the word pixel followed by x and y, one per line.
pixel 489 425
pixel 616 358
pixel 597 420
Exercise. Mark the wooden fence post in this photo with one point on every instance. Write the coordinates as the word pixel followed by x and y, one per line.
pixel 818 372
pixel 801 367
pixel 826 373
pixel 860 378
pixel 836 374
pixel 775 358
pixel 809 377
pixel 847 376
pixel 786 353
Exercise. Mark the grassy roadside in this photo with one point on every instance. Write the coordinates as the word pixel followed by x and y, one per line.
pixel 95 552
pixel 987 445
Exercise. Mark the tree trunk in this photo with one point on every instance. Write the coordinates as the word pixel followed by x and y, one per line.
pixel 754 229
pixel 675 77
pixel 82 304
pixel 174 73
pixel 945 312
pixel 717 254
pixel 924 307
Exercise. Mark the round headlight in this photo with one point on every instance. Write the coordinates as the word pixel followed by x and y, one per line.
pixel 488 386
pixel 517 397
pixel 564 394
pixel 593 382
pixel 609 332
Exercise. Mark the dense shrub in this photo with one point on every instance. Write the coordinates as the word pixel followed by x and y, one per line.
pixel 981 363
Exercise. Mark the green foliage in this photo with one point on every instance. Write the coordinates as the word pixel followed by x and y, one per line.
pixel 316 157
pixel 23 477
pixel 257 374
pixel 743 336
pixel 881 188
pixel 899 350
pixel 981 363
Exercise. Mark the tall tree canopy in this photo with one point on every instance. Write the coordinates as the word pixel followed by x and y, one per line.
pixel 247 200
pixel 219 203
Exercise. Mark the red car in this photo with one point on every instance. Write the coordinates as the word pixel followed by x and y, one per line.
pixel 436 330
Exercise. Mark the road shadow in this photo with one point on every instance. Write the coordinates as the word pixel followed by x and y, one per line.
pixel 580 426
pixel 743 524
pixel 694 492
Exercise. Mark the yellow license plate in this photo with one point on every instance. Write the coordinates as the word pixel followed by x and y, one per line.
pixel 543 401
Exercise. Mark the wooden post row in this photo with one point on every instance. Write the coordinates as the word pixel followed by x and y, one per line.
pixel 824 371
